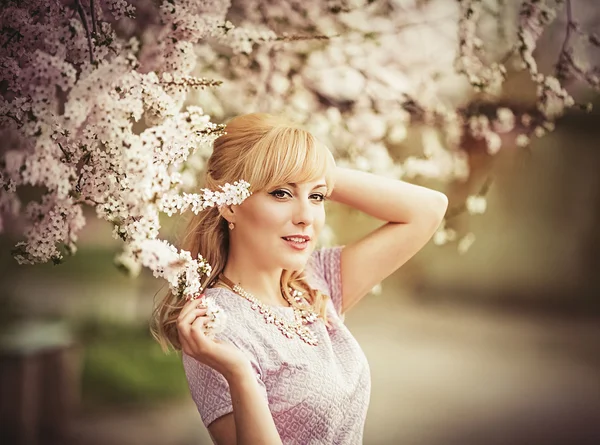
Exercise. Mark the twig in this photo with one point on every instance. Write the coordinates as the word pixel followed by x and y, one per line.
pixel 296 38
pixel 563 55
pixel 455 211
pixel 569 26
pixel 67 155
pixel 12 36
pixel 93 11
pixel 86 158
pixel 14 118
pixel 580 72
pixel 86 27
pixel 87 198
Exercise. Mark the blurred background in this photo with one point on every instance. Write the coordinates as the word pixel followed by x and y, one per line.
pixel 497 346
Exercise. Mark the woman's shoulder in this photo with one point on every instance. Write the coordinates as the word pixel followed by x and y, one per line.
pixel 324 273
pixel 325 258
pixel 235 308
pixel 225 299
pixel 324 264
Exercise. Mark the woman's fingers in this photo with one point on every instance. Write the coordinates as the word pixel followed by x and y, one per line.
pixel 197 328
pixel 191 305
pixel 190 325
pixel 191 331
pixel 184 321
pixel 185 313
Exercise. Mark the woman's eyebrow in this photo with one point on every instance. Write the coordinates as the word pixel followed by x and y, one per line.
pixel 294 185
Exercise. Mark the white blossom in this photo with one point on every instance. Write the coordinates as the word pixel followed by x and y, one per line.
pixel 494 142
pixel 339 84
pixel 444 235
pixel 522 140
pixel 505 120
pixel 465 243
pixel 476 204
pixel 397 133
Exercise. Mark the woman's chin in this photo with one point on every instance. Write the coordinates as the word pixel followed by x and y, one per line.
pixel 297 263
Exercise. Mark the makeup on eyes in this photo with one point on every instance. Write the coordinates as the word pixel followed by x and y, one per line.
pixel 274 193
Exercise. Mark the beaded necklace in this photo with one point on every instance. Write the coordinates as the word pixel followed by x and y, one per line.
pixel 301 316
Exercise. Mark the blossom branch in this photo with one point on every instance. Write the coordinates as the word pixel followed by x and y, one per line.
pixel 67 155
pixel 12 36
pixel 570 25
pixel 93 14
pixel 83 17
pixel 561 71
pixel 464 207
pixel 132 142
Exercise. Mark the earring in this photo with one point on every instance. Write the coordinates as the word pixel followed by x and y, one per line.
pixel 231 226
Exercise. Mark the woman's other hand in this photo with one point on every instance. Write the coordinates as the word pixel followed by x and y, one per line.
pixel 222 356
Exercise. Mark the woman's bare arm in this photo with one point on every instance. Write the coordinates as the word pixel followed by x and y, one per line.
pixel 251 421
pixel 412 213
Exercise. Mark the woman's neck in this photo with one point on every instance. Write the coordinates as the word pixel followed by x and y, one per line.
pixel 264 285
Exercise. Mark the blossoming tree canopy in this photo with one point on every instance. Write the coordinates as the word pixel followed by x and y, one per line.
pixel 113 105
pixel 381 76
pixel 85 122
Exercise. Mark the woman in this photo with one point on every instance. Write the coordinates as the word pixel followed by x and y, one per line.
pixel 286 369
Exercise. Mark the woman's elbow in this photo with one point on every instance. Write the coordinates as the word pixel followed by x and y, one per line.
pixel 437 207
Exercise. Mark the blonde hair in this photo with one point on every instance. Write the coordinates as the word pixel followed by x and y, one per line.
pixel 266 151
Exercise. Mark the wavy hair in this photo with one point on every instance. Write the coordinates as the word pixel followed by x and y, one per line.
pixel 266 151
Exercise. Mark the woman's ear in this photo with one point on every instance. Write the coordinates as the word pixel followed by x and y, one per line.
pixel 227 212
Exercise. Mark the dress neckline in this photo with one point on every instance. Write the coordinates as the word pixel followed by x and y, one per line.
pixel 282 308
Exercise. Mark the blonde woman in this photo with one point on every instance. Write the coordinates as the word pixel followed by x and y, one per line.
pixel 286 369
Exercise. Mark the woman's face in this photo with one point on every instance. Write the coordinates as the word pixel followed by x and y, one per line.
pixel 279 227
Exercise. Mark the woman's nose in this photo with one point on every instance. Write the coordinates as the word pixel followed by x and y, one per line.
pixel 304 213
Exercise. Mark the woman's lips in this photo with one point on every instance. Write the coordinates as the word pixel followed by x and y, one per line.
pixel 296 243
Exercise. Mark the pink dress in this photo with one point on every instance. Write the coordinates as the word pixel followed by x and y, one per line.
pixel 316 394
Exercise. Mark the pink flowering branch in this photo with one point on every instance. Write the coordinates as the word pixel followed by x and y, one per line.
pixel 78 141
pixel 117 112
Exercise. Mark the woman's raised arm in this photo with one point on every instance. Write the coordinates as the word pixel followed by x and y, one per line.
pixel 413 214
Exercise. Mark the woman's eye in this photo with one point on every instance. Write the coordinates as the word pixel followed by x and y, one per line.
pixel 280 194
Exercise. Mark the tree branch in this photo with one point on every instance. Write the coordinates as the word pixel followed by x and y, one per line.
pixel 569 26
pixel 455 211
pixel 12 36
pixel 67 155
pixel 561 69
pixel 93 12
pixel 86 27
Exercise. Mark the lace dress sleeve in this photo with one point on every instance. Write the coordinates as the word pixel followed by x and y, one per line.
pixel 210 390
pixel 325 264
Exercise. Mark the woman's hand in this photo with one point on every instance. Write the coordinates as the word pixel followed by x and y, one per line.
pixel 221 356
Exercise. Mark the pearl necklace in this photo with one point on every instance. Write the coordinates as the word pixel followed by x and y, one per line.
pixel 301 316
